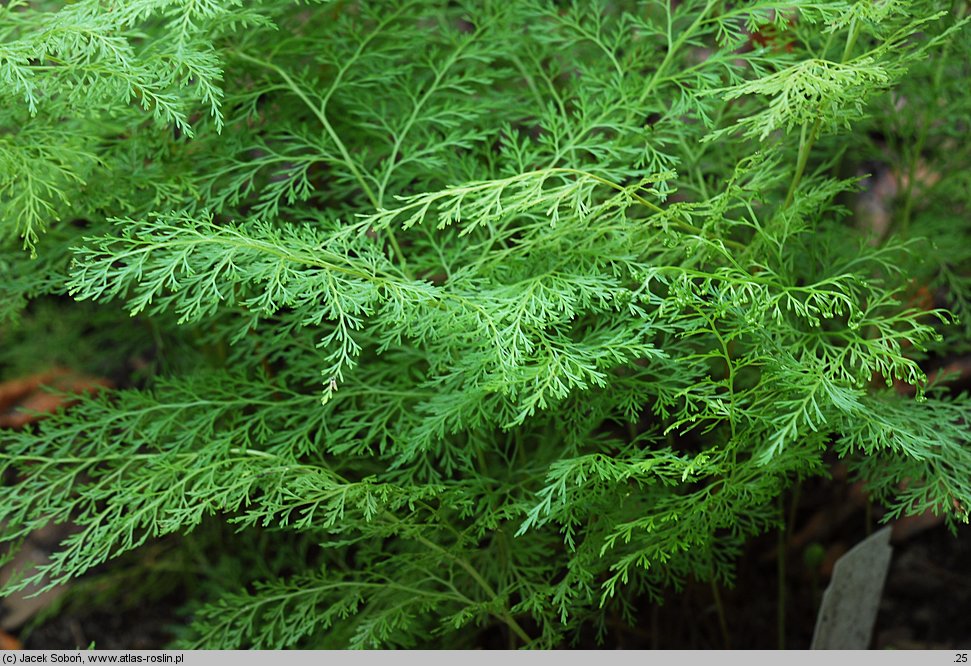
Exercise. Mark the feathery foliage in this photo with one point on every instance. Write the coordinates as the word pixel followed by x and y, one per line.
pixel 473 317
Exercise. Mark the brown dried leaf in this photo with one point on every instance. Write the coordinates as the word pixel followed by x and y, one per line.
pixel 23 399
pixel 8 642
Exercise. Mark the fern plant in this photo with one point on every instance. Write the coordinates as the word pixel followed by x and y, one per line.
pixel 454 320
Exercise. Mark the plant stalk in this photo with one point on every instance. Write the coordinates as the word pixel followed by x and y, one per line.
pixel 781 571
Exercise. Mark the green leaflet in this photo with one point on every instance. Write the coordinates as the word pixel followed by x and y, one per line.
pixel 441 321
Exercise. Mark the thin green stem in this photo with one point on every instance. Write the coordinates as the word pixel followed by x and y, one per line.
pixel 851 39
pixel 793 507
pixel 673 48
pixel 781 576
pixel 720 610
pixel 680 224
pixel 321 116
pixel 807 138
pixel 806 141
pixel 503 615
pixel 320 113
pixel 924 123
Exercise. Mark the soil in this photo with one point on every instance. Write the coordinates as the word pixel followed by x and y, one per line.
pixel 146 628
pixel 925 603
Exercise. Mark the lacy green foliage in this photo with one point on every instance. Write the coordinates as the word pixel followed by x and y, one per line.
pixel 477 322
